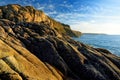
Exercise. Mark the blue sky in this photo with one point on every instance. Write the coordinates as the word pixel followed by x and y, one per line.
pixel 88 16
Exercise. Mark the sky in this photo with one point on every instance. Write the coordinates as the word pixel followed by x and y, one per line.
pixel 87 16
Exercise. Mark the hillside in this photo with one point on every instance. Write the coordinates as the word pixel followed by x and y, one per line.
pixel 37 48
pixel 18 13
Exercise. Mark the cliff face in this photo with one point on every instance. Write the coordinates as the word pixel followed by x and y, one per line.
pixel 31 50
pixel 19 14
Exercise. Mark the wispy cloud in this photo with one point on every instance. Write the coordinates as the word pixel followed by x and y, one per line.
pixel 51 6
pixel 66 5
pixel 39 6
pixel 89 27
pixel 52 13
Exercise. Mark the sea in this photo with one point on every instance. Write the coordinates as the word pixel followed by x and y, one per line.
pixel 109 42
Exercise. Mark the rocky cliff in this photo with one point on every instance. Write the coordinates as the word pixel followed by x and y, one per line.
pixel 37 48
pixel 18 13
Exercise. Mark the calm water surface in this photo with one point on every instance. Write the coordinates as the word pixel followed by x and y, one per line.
pixel 110 42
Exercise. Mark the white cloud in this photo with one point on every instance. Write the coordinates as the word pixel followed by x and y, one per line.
pixel 92 23
pixel 66 5
pixel 88 27
pixel 106 16
pixel 70 16
pixel 51 6
pixel 41 8
pixel 46 7
pixel 52 13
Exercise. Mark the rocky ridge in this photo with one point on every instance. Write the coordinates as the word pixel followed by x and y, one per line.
pixel 37 50
pixel 18 13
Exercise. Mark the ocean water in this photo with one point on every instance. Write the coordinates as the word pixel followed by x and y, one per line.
pixel 109 42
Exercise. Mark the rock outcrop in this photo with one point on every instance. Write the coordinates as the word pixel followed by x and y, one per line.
pixel 36 50
pixel 18 13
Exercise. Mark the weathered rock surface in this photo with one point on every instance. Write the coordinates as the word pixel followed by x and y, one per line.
pixel 18 13
pixel 31 50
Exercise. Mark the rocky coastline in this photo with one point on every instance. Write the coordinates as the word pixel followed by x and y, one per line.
pixel 34 46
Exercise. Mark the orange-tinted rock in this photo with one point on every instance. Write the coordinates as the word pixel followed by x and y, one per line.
pixel 37 51
pixel 19 14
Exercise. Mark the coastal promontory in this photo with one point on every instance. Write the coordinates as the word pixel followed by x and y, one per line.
pixel 34 46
